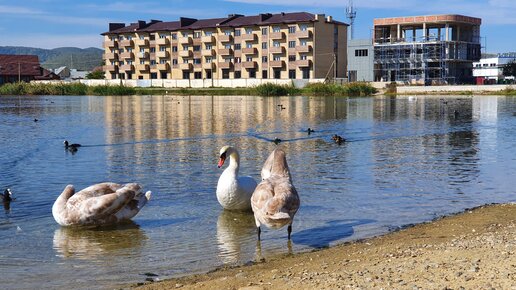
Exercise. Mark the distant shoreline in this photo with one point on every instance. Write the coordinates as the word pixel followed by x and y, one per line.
pixel 475 249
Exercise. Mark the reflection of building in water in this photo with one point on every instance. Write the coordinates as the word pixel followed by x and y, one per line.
pixel 235 230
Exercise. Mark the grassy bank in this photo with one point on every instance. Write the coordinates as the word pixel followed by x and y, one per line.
pixel 316 89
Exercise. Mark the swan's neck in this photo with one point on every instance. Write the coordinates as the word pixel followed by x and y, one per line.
pixel 234 162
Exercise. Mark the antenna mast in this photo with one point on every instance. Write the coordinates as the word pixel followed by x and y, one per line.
pixel 351 14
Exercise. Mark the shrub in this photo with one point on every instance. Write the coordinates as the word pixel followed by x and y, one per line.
pixel 269 89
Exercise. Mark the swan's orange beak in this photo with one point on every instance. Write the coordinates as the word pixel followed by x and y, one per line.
pixel 221 160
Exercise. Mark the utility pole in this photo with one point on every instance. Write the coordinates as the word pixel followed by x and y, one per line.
pixel 19 72
pixel 351 14
pixel 334 68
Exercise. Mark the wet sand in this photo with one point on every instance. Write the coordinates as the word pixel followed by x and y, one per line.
pixel 475 249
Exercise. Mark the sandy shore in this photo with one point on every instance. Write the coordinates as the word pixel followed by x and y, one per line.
pixel 472 250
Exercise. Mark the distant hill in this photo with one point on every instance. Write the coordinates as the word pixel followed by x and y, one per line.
pixel 72 57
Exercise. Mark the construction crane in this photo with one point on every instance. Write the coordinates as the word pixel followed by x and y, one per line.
pixel 351 14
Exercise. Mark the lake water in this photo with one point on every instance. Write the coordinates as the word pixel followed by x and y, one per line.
pixel 408 160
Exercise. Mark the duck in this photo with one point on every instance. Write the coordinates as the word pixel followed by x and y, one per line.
pixel 233 191
pixel 7 196
pixel 99 204
pixel 276 140
pixel 310 131
pixel 338 139
pixel 275 200
pixel 69 146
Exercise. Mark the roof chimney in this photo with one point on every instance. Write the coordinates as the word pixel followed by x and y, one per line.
pixel 319 17
pixel 265 16
pixel 329 18
pixel 115 26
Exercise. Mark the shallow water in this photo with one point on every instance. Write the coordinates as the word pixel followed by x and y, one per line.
pixel 408 160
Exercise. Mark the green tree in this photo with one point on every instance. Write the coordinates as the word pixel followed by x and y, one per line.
pixel 96 75
pixel 509 69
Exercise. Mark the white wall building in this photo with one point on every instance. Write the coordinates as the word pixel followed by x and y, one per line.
pixel 490 70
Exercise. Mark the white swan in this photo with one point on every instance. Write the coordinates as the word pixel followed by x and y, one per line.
pixel 275 200
pixel 103 203
pixel 234 192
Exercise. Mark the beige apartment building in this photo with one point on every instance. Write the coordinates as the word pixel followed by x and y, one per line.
pixel 266 46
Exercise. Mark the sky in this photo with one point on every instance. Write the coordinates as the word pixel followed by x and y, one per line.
pixel 58 23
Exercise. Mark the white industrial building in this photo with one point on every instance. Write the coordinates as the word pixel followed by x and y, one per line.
pixel 489 70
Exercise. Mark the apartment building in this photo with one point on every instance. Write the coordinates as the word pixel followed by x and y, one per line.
pixel 266 46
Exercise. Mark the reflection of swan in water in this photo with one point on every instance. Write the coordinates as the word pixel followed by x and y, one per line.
pixel 94 242
pixel 234 230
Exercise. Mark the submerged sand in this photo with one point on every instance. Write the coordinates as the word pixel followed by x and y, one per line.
pixel 472 250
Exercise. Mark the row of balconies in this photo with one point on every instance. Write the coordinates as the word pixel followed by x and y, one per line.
pixel 190 66
pixel 205 39
pixel 206 52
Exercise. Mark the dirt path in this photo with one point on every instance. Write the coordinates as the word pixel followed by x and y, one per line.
pixel 472 250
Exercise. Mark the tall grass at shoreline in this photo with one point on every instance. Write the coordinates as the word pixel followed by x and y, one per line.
pixel 268 89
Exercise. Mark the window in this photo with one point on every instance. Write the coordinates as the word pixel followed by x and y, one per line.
pixel 197 61
pixel 142 37
pixel 277 73
pixel 162 36
pixel 276 29
pixel 248 31
pixel 153 62
pixel 174 48
pixel 154 76
pixel 208 73
pixel 164 75
pixel 121 50
pixel 227 46
pixel 252 73
pixel 152 49
pixel 291 29
pixel 196 48
pixel 174 61
pixel 249 59
pixel 197 75
pixel 292 74
pixel 237 32
pixel 225 73
pixel 361 52
pixel 249 45
pixel 238 60
pixel 174 35
pixel 264 45
pixel 186 47
pixel 184 34
pixel 303 43
pixel 264 31
pixel 238 74
pixel 142 49
pixel 303 27
pixel 162 48
pixel 162 60
pixel 186 74
pixel 142 61
pixel 209 59
pixel 208 33
pixel 238 46
pixel 129 37
pixel 303 57
pixel 264 74
pixel 264 59
pixel 306 73
pixel 227 32
pixel 276 58
pixel 276 44
pixel 121 62
pixel 292 57
pixel 129 49
pixel 185 60
pixel 292 44
pixel 197 34
pixel 209 46
pixel 227 59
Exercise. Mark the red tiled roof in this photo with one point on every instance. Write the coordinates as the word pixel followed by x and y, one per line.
pixel 230 21
pixel 25 65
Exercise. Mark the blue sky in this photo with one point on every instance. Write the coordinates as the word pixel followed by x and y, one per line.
pixel 56 23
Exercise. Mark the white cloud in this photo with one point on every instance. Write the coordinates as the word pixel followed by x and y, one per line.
pixel 6 9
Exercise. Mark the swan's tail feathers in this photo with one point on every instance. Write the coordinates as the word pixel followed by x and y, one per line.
pixel 148 195
pixel 280 216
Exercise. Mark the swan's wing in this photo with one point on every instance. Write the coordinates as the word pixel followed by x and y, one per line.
pixel 101 207
pixel 95 190
pixel 134 206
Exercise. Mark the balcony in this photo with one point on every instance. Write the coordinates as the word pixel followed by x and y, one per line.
pixel 162 54
pixel 225 65
pixel 185 66
pixel 225 51
pixel 126 43
pixel 208 52
pixel 185 40
pixel 111 68
pixel 225 38
pixel 210 65
pixel 304 34
pixel 111 56
pixel 303 48
pixel 277 63
pixel 143 54
pixel 163 66
pixel 142 42
pixel 277 49
pixel 250 37
pixel 185 53
pixel 142 67
pixel 249 64
pixel 127 55
pixel 163 41
pixel 127 67
pixel 277 35
pixel 197 66
pixel 249 50
pixel 110 43
pixel 304 63
pixel 208 39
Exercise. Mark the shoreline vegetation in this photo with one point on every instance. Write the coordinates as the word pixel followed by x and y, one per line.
pixel 474 249
pixel 79 89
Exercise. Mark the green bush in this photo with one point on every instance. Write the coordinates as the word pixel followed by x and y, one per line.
pixel 269 89
pixel 111 90
pixel 351 89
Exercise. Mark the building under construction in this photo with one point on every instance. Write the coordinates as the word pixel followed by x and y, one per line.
pixel 436 49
